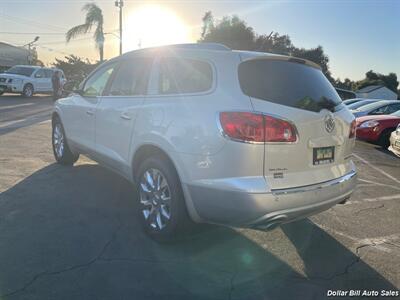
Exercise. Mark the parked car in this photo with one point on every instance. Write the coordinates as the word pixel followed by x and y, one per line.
pixel 377 128
pixel 395 141
pixel 383 107
pixel 361 103
pixel 209 134
pixel 352 101
pixel 27 80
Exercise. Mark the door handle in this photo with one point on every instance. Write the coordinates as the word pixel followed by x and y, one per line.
pixel 90 112
pixel 125 116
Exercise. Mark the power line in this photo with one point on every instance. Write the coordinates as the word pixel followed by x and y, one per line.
pixel 31 22
pixel 23 33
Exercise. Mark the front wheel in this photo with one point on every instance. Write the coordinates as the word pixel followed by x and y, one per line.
pixel 62 153
pixel 28 90
pixel 162 208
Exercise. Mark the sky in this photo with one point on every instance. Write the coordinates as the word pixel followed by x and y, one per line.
pixel 357 35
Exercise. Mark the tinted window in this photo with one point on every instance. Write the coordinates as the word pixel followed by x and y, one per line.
pixel 372 106
pixel 392 108
pixel 361 103
pixel 288 83
pixel 95 85
pixel 40 74
pixel 184 76
pixel 48 73
pixel 26 71
pixel 131 78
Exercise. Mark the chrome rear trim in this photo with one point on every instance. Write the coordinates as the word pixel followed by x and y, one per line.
pixel 314 187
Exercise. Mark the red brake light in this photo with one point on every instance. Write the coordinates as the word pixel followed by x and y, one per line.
pixel 252 127
pixel 353 126
pixel 243 126
pixel 278 130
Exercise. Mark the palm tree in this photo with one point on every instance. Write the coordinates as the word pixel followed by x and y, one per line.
pixel 94 17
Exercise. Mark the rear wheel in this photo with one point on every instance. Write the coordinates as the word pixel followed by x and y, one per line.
pixel 162 209
pixel 28 90
pixel 62 152
pixel 384 139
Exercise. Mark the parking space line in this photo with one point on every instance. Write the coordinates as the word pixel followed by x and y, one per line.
pixel 388 239
pixel 376 168
pixel 15 106
pixel 377 183
pixel 384 198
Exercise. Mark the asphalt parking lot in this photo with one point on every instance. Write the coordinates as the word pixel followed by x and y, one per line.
pixel 71 233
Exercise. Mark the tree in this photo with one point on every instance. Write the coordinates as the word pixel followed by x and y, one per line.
pixel 373 78
pixel 74 67
pixel 208 23
pixel 234 33
pixel 94 17
pixel 230 31
pixel 316 55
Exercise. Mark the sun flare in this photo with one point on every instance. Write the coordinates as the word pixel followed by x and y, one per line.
pixel 154 25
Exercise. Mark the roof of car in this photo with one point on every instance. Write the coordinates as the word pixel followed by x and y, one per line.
pixel 211 47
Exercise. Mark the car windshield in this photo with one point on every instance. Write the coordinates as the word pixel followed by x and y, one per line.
pixel 26 71
pixel 288 83
pixel 372 106
pixel 361 103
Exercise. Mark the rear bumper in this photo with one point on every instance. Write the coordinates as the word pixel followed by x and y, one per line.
pixel 394 137
pixel 265 210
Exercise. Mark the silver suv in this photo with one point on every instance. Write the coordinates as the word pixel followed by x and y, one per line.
pixel 213 135
pixel 27 80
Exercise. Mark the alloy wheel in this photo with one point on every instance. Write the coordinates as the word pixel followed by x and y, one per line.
pixel 155 199
pixel 58 140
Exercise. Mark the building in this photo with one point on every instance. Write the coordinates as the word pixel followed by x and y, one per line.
pixel 346 94
pixel 376 92
pixel 11 55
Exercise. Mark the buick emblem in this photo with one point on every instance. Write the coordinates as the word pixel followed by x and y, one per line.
pixel 329 123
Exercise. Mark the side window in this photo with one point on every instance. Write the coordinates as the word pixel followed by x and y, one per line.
pixel 40 74
pixel 95 85
pixel 48 73
pixel 131 78
pixel 393 108
pixel 379 111
pixel 184 76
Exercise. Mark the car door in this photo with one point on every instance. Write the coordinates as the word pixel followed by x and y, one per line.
pixel 40 81
pixel 117 111
pixel 80 113
pixel 48 86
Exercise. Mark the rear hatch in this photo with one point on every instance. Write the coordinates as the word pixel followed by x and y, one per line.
pixel 296 91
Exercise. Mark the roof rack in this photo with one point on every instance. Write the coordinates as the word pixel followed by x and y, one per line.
pixel 205 46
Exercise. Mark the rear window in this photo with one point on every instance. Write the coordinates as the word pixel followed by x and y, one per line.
pixel 178 75
pixel 288 83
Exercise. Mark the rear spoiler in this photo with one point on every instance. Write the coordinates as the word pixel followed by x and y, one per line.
pixel 286 58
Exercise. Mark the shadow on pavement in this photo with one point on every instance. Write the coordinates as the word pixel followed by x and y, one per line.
pixel 71 233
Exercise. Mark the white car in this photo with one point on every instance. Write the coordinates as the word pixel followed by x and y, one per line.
pixel 213 135
pixel 27 80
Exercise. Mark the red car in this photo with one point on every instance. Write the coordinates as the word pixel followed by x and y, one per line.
pixel 377 128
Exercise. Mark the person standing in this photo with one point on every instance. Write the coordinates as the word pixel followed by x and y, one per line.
pixel 56 82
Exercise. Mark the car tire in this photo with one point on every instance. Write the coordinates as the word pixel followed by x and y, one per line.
pixel 384 141
pixel 28 90
pixel 61 150
pixel 161 205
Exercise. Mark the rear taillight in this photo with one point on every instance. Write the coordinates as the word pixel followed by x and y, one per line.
pixel 353 126
pixel 252 127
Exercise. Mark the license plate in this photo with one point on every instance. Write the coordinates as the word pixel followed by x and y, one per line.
pixel 323 155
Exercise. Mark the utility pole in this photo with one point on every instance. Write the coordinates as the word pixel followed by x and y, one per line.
pixel 120 4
